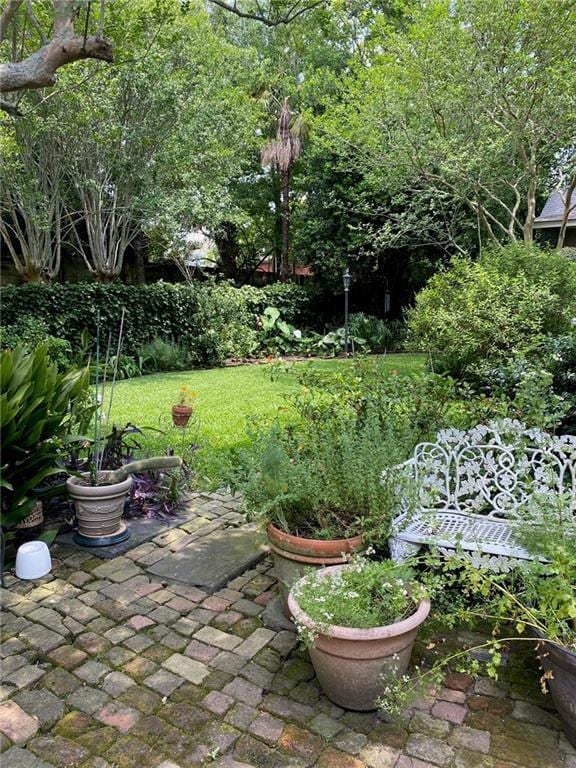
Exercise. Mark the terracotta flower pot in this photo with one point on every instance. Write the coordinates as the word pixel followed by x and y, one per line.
pixel 294 557
pixel 99 508
pixel 349 662
pixel 562 664
pixel 181 415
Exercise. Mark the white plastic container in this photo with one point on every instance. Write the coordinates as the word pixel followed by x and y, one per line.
pixel 33 560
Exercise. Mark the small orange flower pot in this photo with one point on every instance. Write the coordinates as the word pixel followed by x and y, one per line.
pixel 181 415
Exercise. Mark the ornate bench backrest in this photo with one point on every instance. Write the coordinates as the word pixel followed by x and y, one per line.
pixel 493 470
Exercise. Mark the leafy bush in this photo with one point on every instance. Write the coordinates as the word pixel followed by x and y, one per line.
pixel 538 388
pixel 160 355
pixel 39 409
pixel 491 310
pixel 334 343
pixel 380 335
pixel 323 479
pixel 417 404
pixel 29 332
pixel 210 321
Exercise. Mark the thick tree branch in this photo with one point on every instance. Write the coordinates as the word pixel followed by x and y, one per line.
pixel 39 69
pixel 293 13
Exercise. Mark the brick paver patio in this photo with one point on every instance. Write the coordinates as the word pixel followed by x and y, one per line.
pixel 104 665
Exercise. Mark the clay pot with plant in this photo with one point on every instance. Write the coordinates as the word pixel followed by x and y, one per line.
pixel 532 605
pixel 100 498
pixel 360 622
pixel 183 409
pixel 319 492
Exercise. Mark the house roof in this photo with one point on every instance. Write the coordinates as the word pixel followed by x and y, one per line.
pixel 553 211
pixel 295 269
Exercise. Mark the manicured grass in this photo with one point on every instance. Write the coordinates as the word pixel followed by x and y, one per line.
pixel 226 399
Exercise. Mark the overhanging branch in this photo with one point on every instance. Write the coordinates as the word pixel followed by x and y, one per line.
pixel 39 69
pixel 291 14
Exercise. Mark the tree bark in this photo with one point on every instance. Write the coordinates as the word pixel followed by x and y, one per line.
pixel 226 239
pixel 284 272
pixel 39 69
pixel 277 231
pixel 568 207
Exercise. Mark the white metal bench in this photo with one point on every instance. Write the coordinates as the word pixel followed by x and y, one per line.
pixel 474 486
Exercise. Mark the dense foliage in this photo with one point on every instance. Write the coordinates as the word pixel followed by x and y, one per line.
pixel 39 410
pixel 209 323
pixel 493 309
pixel 363 594
pixel 505 324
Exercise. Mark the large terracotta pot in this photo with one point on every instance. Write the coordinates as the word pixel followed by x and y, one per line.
pixel 349 662
pixel 99 508
pixel 562 664
pixel 294 557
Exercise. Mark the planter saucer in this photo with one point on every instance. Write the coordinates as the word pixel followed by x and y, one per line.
pixel 103 541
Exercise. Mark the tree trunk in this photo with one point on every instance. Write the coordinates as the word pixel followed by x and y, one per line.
pixel 226 239
pixel 138 247
pixel 277 233
pixel 528 228
pixel 284 272
pixel 32 275
pixel 568 207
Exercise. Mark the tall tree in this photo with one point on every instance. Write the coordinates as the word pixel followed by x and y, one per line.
pixel 32 223
pixel 474 101
pixel 151 145
pixel 281 154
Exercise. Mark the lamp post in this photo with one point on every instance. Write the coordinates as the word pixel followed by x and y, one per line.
pixel 346 278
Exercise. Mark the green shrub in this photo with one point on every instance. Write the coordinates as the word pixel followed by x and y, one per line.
pixel 323 479
pixel 39 408
pixel 539 388
pixel 491 310
pixel 160 355
pixel 417 404
pixel 29 332
pixel 210 321
pixel 380 335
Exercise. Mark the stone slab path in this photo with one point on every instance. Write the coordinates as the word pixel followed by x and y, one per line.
pixel 105 665
pixel 213 560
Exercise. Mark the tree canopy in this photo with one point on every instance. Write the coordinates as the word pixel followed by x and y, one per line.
pixel 425 129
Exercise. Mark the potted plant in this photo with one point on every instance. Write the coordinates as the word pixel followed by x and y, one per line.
pixel 317 487
pixel 100 496
pixel 533 603
pixel 182 410
pixel 360 621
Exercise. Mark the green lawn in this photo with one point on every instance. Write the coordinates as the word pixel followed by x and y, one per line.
pixel 227 398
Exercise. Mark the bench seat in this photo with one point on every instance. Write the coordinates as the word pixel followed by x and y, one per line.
pixel 473 488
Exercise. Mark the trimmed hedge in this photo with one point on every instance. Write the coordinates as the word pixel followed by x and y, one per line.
pixel 211 321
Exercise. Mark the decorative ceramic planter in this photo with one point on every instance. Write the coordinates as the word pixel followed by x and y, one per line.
pixel 294 557
pixel 562 664
pixel 34 519
pixel 349 662
pixel 99 510
pixel 181 415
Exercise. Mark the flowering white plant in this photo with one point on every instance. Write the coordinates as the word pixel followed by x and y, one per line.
pixel 362 594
